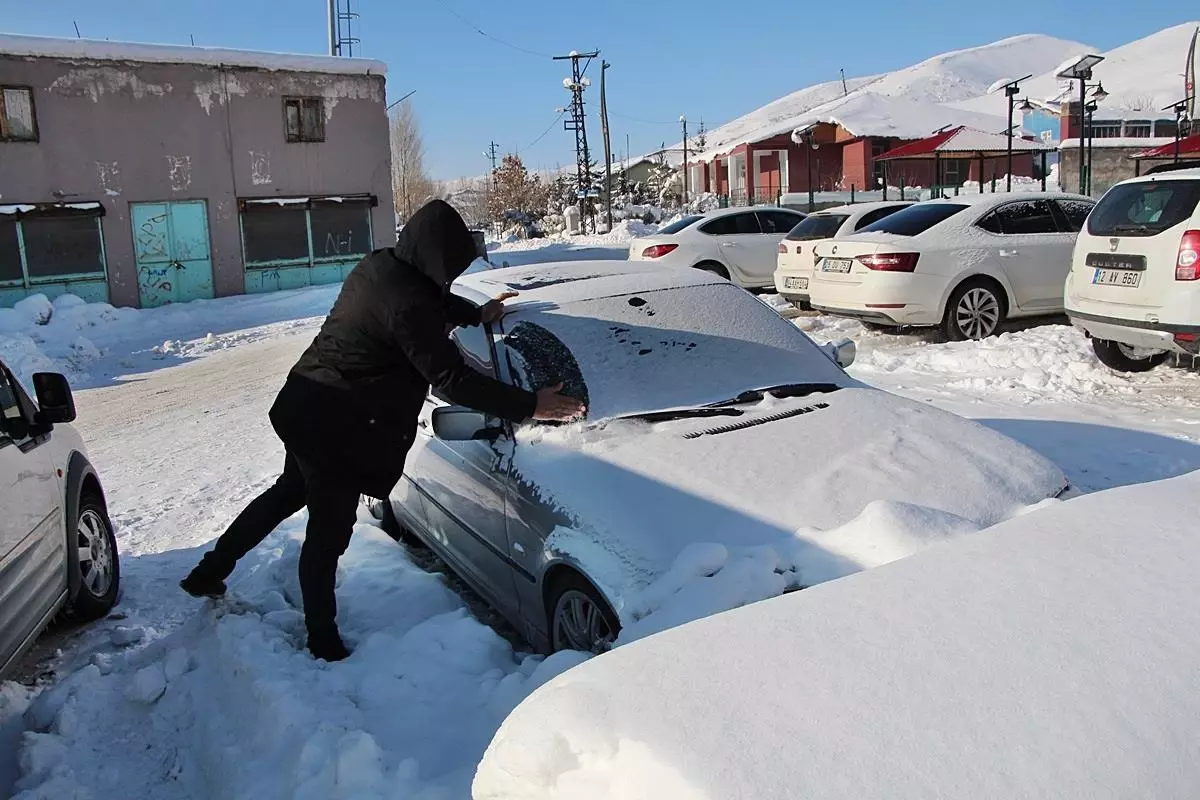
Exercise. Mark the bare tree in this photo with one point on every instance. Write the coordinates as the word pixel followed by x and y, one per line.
pixel 411 185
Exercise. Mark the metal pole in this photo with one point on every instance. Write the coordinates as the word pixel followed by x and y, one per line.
pixel 604 65
pixel 333 35
pixel 1082 102
pixel 1091 136
pixel 1178 123
pixel 808 156
pixel 685 161
pixel 1043 170
pixel 1008 179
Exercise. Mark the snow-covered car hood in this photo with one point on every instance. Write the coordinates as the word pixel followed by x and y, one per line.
pixel 1053 656
pixel 845 480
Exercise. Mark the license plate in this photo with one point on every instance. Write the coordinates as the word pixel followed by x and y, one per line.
pixel 1117 277
pixel 795 283
pixel 836 265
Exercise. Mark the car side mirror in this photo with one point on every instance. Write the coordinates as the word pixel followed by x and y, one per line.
pixel 459 424
pixel 841 352
pixel 56 404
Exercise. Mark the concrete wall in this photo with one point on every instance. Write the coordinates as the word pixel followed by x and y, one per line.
pixel 122 132
pixel 1110 165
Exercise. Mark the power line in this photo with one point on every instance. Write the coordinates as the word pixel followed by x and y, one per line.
pixel 544 133
pixel 449 10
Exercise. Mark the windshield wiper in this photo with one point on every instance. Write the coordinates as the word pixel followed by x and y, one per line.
pixel 780 392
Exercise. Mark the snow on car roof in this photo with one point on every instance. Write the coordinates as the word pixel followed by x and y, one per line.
pixel 988 198
pixel 97 50
pixel 1051 656
pixel 569 281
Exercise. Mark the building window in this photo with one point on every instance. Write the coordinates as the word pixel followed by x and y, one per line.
pixel 17 120
pixel 954 171
pixel 304 119
pixel 305 231
pixel 50 244
pixel 1137 129
pixel 1165 128
pixel 1105 129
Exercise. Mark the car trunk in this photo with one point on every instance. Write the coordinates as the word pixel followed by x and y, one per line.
pixel 838 264
pixel 638 247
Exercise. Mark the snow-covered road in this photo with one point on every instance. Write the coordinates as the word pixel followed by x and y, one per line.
pixel 177 699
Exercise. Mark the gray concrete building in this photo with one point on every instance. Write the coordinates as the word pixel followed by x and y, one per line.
pixel 146 174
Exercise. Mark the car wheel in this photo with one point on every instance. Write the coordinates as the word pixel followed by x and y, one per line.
pixel 580 619
pixel 1127 358
pixel 98 564
pixel 713 267
pixel 382 510
pixel 974 311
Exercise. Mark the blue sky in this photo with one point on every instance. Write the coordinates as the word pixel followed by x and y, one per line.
pixel 703 58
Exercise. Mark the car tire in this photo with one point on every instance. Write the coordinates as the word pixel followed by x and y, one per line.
pixel 1123 358
pixel 975 310
pixel 98 563
pixel 714 267
pixel 580 618
pixel 382 510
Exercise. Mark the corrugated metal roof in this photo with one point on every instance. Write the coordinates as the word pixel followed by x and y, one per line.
pixel 968 142
pixel 1187 146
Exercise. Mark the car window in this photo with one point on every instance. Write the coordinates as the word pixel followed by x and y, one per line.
pixel 1144 209
pixel 474 343
pixel 539 359
pixel 732 225
pixel 990 223
pixel 817 226
pixel 1076 212
pixel 14 408
pixel 777 221
pixel 680 224
pixel 871 217
pixel 916 219
pixel 1026 217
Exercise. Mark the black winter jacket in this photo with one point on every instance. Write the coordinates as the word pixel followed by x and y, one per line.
pixel 350 404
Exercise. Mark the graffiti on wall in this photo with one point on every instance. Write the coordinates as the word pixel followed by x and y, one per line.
pixel 260 168
pixel 110 177
pixel 179 172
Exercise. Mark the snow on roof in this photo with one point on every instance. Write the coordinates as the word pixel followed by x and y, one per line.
pixel 934 84
pixel 1050 656
pixel 963 140
pixel 96 50
pixel 1140 142
pixel 1187 146
pixel 1141 77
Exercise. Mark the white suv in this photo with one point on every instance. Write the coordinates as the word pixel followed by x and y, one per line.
pixel 1134 286
pixel 57 550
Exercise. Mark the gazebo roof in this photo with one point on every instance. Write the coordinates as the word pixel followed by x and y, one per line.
pixel 963 142
pixel 1189 145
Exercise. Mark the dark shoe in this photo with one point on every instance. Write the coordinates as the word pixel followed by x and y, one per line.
pixel 327 647
pixel 197 585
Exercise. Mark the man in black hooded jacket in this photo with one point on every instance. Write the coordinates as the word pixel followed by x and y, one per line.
pixel 347 414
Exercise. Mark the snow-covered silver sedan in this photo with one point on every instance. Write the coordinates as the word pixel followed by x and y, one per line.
pixel 721 444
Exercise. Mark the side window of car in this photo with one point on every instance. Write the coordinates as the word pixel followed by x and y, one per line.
pixel 1076 212
pixel 748 223
pixel 875 216
pixel 990 223
pixel 1026 217
pixel 539 359
pixel 11 416
pixel 731 225
pixel 777 221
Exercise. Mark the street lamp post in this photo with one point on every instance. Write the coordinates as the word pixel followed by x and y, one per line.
pixel 1080 70
pixel 804 136
pixel 1011 90
pixel 1180 110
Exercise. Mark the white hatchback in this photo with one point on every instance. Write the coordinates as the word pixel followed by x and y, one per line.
pixel 1134 286
pixel 794 265
pixel 964 263
pixel 736 243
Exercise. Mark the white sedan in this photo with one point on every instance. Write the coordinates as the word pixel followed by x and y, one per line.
pixel 794 266
pixel 736 243
pixel 965 263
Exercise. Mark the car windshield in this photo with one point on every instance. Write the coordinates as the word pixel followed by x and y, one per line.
pixel 1144 209
pixel 915 219
pixel 818 226
pixel 680 224
pixel 655 351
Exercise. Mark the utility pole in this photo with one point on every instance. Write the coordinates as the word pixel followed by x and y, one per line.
pixel 683 121
pixel 846 91
pixel 604 65
pixel 491 154
pixel 578 123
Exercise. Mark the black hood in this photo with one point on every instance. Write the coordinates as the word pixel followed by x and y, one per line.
pixel 436 241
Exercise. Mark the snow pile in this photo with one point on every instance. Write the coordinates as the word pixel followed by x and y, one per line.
pixel 229 705
pixel 1052 656
pixel 94 342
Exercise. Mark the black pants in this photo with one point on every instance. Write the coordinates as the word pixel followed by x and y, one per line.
pixel 332 510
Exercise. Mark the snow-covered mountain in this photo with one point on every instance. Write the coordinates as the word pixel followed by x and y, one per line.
pixel 1143 76
pixel 921 94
